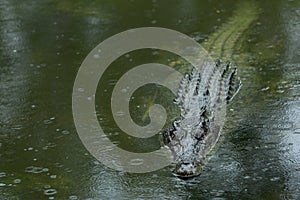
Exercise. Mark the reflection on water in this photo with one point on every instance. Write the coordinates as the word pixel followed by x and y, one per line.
pixel 42 47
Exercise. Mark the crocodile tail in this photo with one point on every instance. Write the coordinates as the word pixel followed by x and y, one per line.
pixel 233 82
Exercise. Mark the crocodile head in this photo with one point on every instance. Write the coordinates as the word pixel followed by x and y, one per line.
pixel 188 143
pixel 188 150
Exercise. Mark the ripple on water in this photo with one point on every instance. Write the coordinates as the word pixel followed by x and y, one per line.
pixel 36 170
pixel 136 161
pixel 275 179
pixel 65 132
pixel 297 131
pixel 50 192
pixel 53 176
pixel 17 181
pixel 2 174
pixel 217 193
pixel 49 121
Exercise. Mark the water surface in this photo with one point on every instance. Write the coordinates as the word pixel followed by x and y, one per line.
pixel 42 46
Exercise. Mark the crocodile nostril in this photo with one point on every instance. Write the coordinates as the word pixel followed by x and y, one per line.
pixel 186 163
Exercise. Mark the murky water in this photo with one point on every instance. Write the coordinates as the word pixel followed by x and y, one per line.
pixel 42 46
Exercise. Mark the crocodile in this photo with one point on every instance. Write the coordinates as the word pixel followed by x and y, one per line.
pixel 194 135
pixel 203 103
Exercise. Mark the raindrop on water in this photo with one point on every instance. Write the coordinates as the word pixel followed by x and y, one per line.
pixel 136 161
pixel 50 192
pixel 2 174
pixel 65 132
pixel 96 56
pixel 53 176
pixel 35 170
pixel 120 113
pixel 80 89
pixel 47 121
pixel 275 179
pixel 17 181
pixel 73 197
pixel 47 186
pixel 297 131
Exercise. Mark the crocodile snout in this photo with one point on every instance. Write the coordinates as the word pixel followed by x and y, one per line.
pixel 188 169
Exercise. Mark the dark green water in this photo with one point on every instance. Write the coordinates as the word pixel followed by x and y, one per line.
pixel 42 44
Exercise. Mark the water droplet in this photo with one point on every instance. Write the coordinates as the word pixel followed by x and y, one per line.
pixel 297 131
pixel 96 162
pixel 80 89
pixel 45 169
pixel 53 176
pixel 96 56
pixel 17 127
pixel 17 181
pixel 153 22
pixel 34 170
pixel 50 192
pixel 73 197
pixel 280 91
pixel 2 174
pixel 47 121
pixel 120 113
pixel 275 179
pixel 124 90
pixel 265 89
pixel 136 161
pixel 65 132
pixel 246 177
